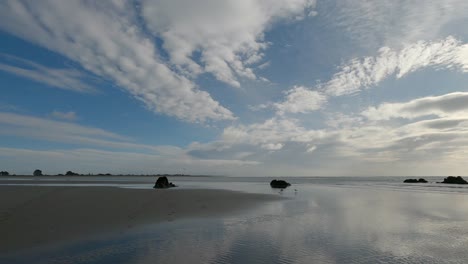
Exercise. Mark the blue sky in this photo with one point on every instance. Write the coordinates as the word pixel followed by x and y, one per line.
pixel 251 87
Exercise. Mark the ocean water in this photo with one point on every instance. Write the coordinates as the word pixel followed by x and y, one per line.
pixel 323 220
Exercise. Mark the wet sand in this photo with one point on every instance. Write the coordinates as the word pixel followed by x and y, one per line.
pixel 33 216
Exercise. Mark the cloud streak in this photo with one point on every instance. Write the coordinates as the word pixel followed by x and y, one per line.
pixel 64 132
pixel 453 104
pixel 363 73
pixel 116 40
pixel 106 40
pixel 67 79
pixel 395 23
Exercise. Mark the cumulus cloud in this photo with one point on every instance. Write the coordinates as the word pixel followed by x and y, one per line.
pixel 272 146
pixel 227 36
pixel 298 99
pixel 107 40
pixel 356 140
pixel 301 100
pixel 272 134
pixel 359 74
pixel 428 128
pixel 452 104
pixel 352 149
pixel 269 134
pixel 68 79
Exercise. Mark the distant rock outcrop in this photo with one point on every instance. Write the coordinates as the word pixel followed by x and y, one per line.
pixel 279 184
pixel 163 183
pixel 454 180
pixel 420 180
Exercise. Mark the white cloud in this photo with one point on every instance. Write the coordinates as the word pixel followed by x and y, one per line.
pixel 364 148
pixel 340 120
pixel 422 140
pixel 264 65
pixel 69 116
pixel 311 148
pixel 453 104
pixel 356 141
pixel 68 79
pixel 272 146
pixel 269 134
pixel 116 40
pixel 359 74
pixel 273 134
pixel 394 23
pixel 279 145
pixel 395 137
pixel 227 35
pixel 105 38
pixel 300 100
pixel 109 151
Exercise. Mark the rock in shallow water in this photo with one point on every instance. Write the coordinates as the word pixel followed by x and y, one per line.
pixel 421 180
pixel 163 183
pixel 279 184
pixel 454 180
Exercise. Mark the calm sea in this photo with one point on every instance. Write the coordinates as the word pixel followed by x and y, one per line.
pixel 325 220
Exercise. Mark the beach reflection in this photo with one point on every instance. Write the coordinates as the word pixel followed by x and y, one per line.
pixel 317 225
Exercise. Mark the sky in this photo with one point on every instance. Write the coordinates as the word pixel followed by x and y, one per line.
pixel 234 87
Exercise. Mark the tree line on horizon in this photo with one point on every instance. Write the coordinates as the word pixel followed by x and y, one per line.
pixel 71 173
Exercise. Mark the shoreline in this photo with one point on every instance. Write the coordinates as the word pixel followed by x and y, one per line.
pixel 32 216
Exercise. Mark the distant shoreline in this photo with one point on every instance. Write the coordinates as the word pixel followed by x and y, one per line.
pixel 114 175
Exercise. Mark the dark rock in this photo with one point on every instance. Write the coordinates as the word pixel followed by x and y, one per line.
pixel 163 183
pixel 279 184
pixel 420 180
pixel 454 180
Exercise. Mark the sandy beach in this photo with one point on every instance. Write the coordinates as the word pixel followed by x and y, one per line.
pixel 31 216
